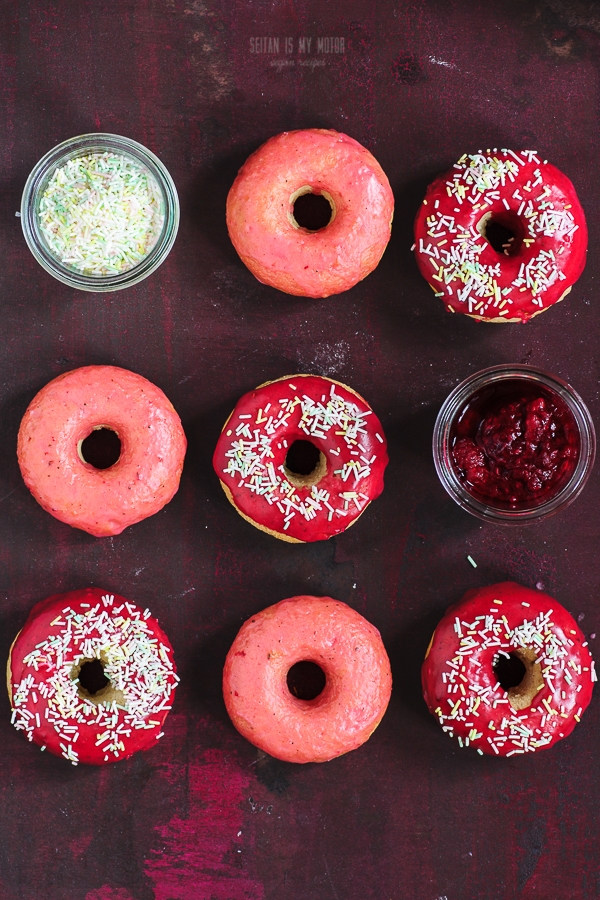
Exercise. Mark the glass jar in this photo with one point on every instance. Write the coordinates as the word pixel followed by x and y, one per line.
pixel 91 144
pixel 493 384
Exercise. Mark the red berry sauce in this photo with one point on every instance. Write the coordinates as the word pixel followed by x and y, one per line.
pixel 514 445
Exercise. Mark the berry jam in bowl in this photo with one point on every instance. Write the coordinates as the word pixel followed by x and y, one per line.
pixel 100 212
pixel 513 445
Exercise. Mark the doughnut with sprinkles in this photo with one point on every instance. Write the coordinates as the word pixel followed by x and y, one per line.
pixel 301 457
pixel 91 677
pixel 501 237
pixel 507 671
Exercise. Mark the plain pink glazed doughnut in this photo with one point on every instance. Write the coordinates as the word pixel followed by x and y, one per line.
pixel 65 412
pixel 260 212
pixel 351 654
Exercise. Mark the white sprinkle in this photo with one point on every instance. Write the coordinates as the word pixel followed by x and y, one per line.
pixel 101 214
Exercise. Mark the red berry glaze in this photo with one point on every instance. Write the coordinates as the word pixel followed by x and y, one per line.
pixel 510 193
pixel 253 465
pixel 121 709
pixel 504 632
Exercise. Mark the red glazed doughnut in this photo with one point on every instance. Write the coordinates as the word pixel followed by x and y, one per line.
pixel 91 677
pixel 252 457
pixel 358 680
pixel 65 412
pixel 260 212
pixel 524 638
pixel 528 198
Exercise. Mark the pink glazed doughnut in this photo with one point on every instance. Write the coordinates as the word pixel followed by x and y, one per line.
pixel 351 654
pixel 65 412
pixel 260 212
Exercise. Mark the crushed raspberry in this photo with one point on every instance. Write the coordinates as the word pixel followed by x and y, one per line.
pixel 516 451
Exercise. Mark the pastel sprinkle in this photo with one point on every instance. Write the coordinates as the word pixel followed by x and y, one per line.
pixel 101 214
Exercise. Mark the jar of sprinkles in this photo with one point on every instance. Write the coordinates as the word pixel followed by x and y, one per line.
pixel 100 212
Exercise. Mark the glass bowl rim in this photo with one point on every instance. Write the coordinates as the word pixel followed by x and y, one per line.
pixel 505 372
pixel 70 149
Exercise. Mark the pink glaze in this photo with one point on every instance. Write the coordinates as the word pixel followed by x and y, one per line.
pixel 350 652
pixel 293 259
pixel 139 484
pixel 251 451
pixel 47 704
pixel 462 690
pixel 527 195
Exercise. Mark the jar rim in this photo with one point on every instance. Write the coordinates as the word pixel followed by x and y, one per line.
pixel 71 149
pixel 442 455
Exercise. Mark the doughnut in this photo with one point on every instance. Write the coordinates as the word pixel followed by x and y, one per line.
pixel 301 457
pixel 91 677
pixel 310 261
pixel 507 671
pixel 101 501
pixel 501 237
pixel 356 669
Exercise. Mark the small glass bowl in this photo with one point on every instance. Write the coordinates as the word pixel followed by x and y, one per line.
pixel 458 399
pixel 80 146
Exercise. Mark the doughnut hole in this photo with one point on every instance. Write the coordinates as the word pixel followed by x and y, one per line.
pixel 101 448
pixel 311 209
pixel 92 682
pixel 503 230
pixel 305 464
pixel 520 676
pixel 306 680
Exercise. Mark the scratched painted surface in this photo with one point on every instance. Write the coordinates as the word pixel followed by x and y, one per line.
pixel 204 816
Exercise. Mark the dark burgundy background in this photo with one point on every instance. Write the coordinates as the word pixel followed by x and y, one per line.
pixel 205 816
